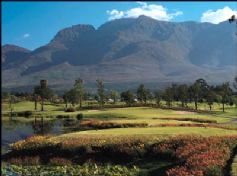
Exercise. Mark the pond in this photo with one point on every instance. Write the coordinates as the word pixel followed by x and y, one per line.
pixel 13 131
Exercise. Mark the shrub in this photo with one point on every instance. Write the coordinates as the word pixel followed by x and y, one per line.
pixel 62 116
pixel 79 116
pixel 28 160
pixel 71 109
pixel 35 143
pixel 88 169
pixel 25 113
pixel 57 161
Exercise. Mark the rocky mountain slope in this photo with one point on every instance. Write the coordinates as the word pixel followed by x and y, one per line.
pixel 127 50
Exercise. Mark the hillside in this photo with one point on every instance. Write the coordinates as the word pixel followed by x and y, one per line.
pixel 127 50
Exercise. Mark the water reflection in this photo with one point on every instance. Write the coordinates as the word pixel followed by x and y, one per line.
pixel 13 130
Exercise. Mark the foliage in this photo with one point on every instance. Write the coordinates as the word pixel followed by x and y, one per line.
pixel 34 143
pixel 168 96
pixel 79 91
pixel 114 96
pixel 100 91
pixel 71 109
pixel 24 114
pixel 204 156
pixel 79 116
pixel 128 97
pixel 104 125
pixel 143 93
pixel 58 161
pixel 88 169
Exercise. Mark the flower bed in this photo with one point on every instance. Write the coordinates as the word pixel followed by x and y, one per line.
pixel 195 155
pixel 202 156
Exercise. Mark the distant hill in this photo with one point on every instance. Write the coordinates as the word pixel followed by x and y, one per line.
pixel 126 50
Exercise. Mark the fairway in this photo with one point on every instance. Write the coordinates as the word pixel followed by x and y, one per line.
pixel 158 131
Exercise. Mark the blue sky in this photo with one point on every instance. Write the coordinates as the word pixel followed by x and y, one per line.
pixel 33 24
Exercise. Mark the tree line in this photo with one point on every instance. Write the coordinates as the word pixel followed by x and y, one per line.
pixel 198 92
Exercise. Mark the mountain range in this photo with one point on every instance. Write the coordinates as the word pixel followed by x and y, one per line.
pixel 126 50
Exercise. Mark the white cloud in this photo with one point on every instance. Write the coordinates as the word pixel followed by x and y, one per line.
pixel 157 12
pixel 115 14
pixel 26 35
pixel 217 16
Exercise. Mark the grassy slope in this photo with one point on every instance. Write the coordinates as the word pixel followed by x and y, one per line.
pixel 162 131
pixel 144 114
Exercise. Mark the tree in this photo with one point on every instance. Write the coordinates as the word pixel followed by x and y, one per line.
pixel 100 91
pixel 235 83
pixel 79 90
pixel 44 93
pixel 72 97
pixel 114 96
pixel 175 92
pixel 128 97
pixel 204 87
pixel 210 98
pixel 168 96
pixel 12 100
pixel 183 94
pixel 196 91
pixel 225 92
pixel 158 95
pixel 66 98
pixel 36 93
pixel 143 93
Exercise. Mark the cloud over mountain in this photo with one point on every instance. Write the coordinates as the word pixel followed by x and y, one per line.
pixel 154 11
pixel 218 16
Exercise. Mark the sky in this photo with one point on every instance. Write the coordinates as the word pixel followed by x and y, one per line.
pixel 33 24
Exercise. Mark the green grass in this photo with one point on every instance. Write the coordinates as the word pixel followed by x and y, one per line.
pixel 145 114
pixel 163 131
pixel 148 113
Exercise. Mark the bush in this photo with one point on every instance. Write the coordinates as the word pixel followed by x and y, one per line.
pixel 71 109
pixel 62 116
pixel 87 169
pixel 28 160
pixel 25 113
pixel 56 161
pixel 79 116
pixel 217 171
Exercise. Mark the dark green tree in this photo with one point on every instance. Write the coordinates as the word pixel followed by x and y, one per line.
pixel 66 98
pixel 43 93
pixel 210 98
pixel 183 94
pixel 235 83
pixel 196 93
pixel 79 90
pixel 36 94
pixel 168 96
pixel 114 96
pixel 127 97
pixel 158 97
pixel 143 94
pixel 225 93
pixel 101 92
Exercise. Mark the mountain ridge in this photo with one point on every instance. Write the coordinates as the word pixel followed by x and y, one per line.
pixel 130 50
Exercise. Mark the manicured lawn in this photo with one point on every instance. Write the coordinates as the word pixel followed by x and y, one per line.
pixel 163 131
pixel 145 114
